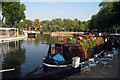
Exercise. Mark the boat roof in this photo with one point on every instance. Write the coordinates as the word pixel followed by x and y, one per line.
pixel 66 44
pixel 81 35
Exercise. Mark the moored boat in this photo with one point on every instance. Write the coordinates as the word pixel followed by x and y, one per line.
pixel 64 54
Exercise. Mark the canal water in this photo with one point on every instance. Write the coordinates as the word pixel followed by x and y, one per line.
pixel 24 55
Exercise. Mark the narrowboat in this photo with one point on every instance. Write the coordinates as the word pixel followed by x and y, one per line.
pixel 62 55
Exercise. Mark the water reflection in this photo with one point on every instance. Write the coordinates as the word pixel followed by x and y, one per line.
pixel 45 39
pixel 13 60
pixel 12 57
pixel 24 55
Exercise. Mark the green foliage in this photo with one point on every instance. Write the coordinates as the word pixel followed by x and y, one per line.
pixel 20 31
pixel 68 39
pixel 41 30
pixel 14 59
pixel 107 18
pixel 64 25
pixel 82 27
pixel 95 41
pixel 85 46
pixel 100 40
pixel 25 24
pixel 13 12
pixel 61 39
pixel 87 42
pixel 116 11
pixel 92 43
pixel 36 23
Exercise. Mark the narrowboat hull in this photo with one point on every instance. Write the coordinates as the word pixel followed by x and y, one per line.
pixel 49 64
pixel 48 67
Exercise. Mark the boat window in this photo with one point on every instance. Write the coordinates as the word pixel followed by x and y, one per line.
pixel 52 49
pixel 58 50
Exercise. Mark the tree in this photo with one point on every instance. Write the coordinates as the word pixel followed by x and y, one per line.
pixel 56 28
pixel 36 23
pixel 44 25
pixel 103 20
pixel 93 23
pixel 116 11
pixel 86 25
pixel 59 22
pixel 76 20
pixel 64 25
pixel 67 24
pixel 82 28
pixel 13 12
pixel 25 24
pixel 28 23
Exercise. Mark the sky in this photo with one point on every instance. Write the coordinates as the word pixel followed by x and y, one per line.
pixel 51 10
pixel 61 0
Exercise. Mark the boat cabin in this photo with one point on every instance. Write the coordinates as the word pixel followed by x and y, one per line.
pixel 67 50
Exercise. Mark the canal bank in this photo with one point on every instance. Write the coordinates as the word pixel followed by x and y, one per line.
pixel 100 72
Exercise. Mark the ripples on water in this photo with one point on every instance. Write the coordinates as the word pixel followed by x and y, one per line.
pixel 24 55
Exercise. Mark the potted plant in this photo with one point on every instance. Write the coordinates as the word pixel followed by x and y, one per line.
pixel 61 39
pixel 84 46
pixel 70 39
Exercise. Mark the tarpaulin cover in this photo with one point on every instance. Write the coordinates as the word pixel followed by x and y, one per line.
pixel 58 57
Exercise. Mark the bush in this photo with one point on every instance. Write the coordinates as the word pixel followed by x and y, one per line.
pixel 20 31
